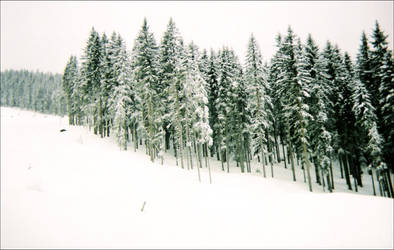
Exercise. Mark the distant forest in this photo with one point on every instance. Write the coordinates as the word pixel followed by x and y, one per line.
pixel 41 92
pixel 307 104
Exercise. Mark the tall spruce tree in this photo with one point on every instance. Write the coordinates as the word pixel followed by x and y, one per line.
pixel 168 60
pixel 386 102
pixel 366 119
pixel 286 64
pixel 69 81
pixel 90 78
pixel 123 98
pixel 258 99
pixel 144 64
pixel 213 88
pixel 381 59
pixel 196 104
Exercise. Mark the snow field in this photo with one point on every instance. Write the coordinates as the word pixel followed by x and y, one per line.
pixel 76 190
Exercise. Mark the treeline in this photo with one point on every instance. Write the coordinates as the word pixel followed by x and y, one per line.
pixel 306 105
pixel 38 91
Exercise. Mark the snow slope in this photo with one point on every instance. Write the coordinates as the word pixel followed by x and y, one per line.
pixel 76 190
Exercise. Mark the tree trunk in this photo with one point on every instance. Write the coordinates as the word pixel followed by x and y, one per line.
pixel 221 157
pixel 199 156
pixel 227 153
pixel 272 169
pixel 323 181
pixel 340 166
pixel 207 164
pixel 175 150
pixel 329 185
pixel 277 148
pixel 262 156
pixel 240 155
pixel 317 171
pixel 347 175
pixel 332 176
pixel 390 184
pixel 373 182
pixel 291 160
pixel 150 119
pixel 284 154
pixel 135 137
pixel 379 183
pixel 179 127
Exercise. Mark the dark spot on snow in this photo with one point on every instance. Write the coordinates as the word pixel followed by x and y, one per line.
pixel 62 130
pixel 143 206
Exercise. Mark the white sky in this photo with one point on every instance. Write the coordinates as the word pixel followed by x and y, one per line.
pixel 42 35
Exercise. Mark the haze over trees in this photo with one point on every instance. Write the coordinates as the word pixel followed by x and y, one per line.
pixel 307 107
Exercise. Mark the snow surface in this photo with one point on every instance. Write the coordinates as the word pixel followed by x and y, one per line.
pixel 76 190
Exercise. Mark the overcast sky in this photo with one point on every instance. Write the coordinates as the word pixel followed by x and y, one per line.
pixel 42 35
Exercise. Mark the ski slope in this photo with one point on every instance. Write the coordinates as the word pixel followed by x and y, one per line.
pixel 76 190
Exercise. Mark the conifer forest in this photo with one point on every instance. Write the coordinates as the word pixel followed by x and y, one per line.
pixel 306 107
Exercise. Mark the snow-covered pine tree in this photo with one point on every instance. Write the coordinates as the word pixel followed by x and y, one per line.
pixel 173 62
pixel 364 63
pixel 226 104
pixel 240 119
pixel 122 99
pixel 90 77
pixel 366 119
pixel 100 101
pixel 278 121
pixel 204 68
pixel 77 97
pixel 69 81
pixel 314 101
pixel 212 89
pixel 144 64
pixel 386 102
pixel 335 76
pixel 109 74
pixel 196 106
pixel 258 99
pixel 377 54
pixel 168 60
pixel 348 135
pixel 285 61
pixel 203 65
pixel 381 58
pixel 320 137
pixel 298 108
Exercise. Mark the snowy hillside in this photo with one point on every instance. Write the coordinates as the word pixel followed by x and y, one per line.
pixel 75 190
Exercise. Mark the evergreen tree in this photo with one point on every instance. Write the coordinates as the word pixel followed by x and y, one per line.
pixel 366 119
pixel 258 99
pixel 196 104
pixel 320 136
pixel 69 80
pixel 225 104
pixel 286 77
pixel 386 97
pixel 108 83
pixel 381 65
pixel 144 64
pixel 123 100
pixel 298 108
pixel 168 59
pixel 348 138
pixel 377 54
pixel 213 87
pixel 90 78
pixel 279 122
